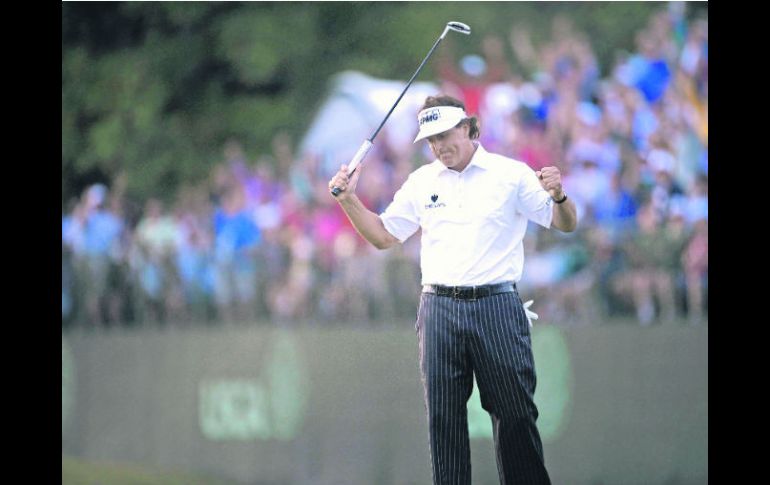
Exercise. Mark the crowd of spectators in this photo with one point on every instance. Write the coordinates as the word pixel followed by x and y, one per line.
pixel 263 241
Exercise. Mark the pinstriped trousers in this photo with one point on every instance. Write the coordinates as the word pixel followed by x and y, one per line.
pixel 490 338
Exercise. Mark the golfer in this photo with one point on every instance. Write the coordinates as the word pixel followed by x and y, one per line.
pixel 473 208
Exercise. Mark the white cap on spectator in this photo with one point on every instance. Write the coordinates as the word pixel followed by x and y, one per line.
pixel 438 120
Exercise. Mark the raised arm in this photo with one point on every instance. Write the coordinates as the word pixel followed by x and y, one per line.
pixel 367 223
pixel 564 214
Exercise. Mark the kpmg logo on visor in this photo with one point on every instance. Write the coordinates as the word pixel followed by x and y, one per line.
pixel 438 120
pixel 432 115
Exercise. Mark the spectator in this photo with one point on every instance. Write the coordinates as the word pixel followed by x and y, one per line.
pixel 476 73
pixel 653 256
pixel 589 188
pixel 153 257
pixel 101 238
pixel 617 211
pixel 648 70
pixel 194 248
pixel 608 267
pixel 73 222
pixel 665 191
pixel 695 261
pixel 290 299
pixel 118 289
pixel 696 206
pixel 236 240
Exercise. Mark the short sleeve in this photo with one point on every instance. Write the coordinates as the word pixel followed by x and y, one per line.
pixel 400 217
pixel 533 200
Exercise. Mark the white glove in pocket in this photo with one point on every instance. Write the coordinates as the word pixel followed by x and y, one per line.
pixel 530 314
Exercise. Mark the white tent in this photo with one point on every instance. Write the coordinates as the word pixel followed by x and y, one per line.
pixel 355 108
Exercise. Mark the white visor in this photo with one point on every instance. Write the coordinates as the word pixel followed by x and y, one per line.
pixel 437 120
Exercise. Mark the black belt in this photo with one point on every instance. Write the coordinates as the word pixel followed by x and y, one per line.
pixel 469 292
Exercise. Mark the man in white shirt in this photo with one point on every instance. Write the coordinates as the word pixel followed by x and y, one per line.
pixel 473 207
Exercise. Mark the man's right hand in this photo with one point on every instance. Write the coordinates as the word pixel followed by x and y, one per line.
pixel 347 184
pixel 367 223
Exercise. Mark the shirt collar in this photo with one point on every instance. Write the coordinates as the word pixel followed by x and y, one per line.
pixel 480 158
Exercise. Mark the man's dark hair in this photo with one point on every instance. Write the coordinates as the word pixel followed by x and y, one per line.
pixel 444 100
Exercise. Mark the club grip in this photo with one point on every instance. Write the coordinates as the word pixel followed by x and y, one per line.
pixel 357 158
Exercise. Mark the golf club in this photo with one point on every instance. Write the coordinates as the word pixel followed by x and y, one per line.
pixel 367 144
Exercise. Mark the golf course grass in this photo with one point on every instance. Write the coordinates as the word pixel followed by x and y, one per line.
pixel 78 472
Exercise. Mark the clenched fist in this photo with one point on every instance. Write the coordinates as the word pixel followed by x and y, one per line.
pixel 550 180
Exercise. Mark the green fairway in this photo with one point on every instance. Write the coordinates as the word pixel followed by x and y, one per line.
pixel 78 472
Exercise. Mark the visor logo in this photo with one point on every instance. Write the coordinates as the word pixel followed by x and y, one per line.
pixel 432 115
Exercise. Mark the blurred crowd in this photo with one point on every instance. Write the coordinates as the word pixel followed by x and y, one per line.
pixel 263 241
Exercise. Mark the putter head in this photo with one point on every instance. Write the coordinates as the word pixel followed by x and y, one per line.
pixel 459 27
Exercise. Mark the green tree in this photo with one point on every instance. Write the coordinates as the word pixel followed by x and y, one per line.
pixel 154 89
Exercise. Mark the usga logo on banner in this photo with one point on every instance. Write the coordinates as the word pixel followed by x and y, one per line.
pixel 271 406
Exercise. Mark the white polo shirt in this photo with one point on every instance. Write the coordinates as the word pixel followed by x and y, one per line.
pixel 473 222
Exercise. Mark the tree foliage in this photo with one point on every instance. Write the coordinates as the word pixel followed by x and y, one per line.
pixel 154 89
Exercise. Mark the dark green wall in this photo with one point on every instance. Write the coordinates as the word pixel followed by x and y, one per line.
pixel 618 404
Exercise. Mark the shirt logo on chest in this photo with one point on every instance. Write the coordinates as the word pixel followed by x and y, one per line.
pixel 434 204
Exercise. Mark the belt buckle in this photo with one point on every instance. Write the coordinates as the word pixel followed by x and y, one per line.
pixel 474 294
pixel 455 292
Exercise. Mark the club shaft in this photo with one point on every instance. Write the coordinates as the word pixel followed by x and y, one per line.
pixel 368 143
pixel 430 52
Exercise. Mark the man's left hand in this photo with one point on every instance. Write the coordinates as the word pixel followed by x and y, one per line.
pixel 550 180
